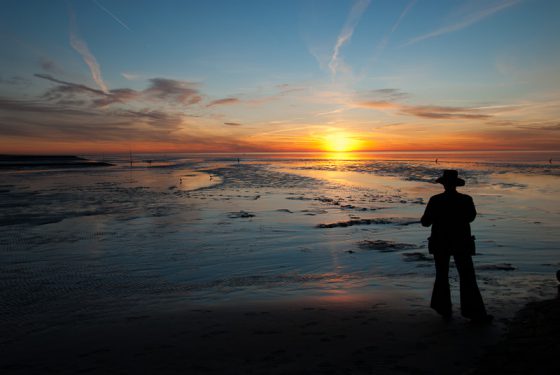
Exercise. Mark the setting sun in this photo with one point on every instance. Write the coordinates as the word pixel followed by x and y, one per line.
pixel 340 142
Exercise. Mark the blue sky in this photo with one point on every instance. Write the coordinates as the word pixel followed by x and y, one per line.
pixel 279 75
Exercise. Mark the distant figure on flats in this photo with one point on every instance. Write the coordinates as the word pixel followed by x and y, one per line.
pixel 450 214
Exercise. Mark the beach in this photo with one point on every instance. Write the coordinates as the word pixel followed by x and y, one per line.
pixel 369 336
pixel 530 345
pixel 207 264
pixel 362 337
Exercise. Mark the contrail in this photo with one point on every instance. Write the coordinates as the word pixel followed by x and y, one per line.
pixel 356 12
pixel 81 47
pixel 112 15
pixel 381 46
pixel 403 14
pixel 473 18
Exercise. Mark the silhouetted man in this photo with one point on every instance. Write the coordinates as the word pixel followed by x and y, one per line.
pixel 450 214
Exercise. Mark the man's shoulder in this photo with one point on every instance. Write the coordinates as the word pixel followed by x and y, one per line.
pixel 446 197
pixel 465 197
pixel 438 197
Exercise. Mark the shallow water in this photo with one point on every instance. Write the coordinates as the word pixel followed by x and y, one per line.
pixel 87 244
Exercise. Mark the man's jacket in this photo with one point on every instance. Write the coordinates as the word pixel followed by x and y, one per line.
pixel 450 215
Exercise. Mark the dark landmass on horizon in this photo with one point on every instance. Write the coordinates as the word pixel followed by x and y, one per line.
pixel 50 161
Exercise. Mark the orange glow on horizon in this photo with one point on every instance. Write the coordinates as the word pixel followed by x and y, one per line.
pixel 337 145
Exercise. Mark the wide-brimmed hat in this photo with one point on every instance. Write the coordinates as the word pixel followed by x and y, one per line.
pixel 450 176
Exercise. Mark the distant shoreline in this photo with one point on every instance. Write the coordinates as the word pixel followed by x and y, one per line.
pixel 49 161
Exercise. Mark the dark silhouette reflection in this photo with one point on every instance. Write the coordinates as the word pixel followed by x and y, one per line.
pixel 450 214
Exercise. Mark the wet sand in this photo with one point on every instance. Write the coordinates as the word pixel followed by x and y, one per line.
pixel 364 336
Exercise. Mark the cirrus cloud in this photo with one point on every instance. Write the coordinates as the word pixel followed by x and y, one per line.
pixel 177 91
pixel 224 101
pixel 427 111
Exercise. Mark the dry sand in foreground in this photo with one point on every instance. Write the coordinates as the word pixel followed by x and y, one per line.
pixel 361 337
pixel 531 345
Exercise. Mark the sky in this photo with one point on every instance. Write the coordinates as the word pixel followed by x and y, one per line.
pixel 99 76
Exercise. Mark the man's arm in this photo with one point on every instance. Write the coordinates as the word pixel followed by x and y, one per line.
pixel 471 210
pixel 427 219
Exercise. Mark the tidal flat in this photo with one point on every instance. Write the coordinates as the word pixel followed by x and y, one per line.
pixel 308 241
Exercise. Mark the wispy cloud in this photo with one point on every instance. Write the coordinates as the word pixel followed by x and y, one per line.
pixel 49 65
pixel 403 14
pixel 38 120
pixel 165 90
pixel 232 124
pixel 69 93
pixel 291 129
pixel 427 111
pixel 35 106
pixel 224 101
pixel 543 126
pixel 131 76
pixel 447 113
pixel 390 94
pixel 287 88
pixel 81 47
pixel 14 81
pixel 378 104
pixel 333 112
pixel 177 91
pixel 256 99
pixel 76 86
pixel 119 21
pixel 345 35
pixel 383 43
pixel 385 40
pixel 466 21
pixel 553 126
